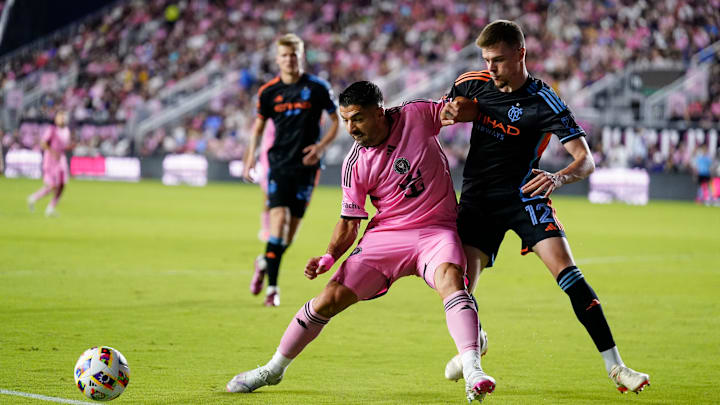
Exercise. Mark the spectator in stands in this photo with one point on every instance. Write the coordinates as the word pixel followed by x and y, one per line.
pixel 702 169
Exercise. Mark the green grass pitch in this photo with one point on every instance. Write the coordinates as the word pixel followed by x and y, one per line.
pixel 161 274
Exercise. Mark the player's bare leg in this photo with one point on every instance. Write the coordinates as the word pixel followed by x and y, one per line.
pixel 555 253
pixel 303 329
pixel 462 321
pixel 476 262
pixel 50 209
pixel 33 198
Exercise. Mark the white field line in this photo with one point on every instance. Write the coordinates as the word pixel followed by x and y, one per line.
pixel 43 397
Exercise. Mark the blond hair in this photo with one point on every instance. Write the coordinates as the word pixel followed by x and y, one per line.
pixel 292 41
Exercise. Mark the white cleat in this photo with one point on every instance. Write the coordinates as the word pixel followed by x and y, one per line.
pixel 628 379
pixel 251 380
pixel 50 212
pixel 454 369
pixel 31 203
pixel 478 385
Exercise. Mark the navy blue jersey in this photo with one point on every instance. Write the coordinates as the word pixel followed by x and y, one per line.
pixel 510 133
pixel 295 110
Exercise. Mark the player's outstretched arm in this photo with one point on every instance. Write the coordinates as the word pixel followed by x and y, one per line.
pixel 460 109
pixel 255 137
pixel 582 165
pixel 343 237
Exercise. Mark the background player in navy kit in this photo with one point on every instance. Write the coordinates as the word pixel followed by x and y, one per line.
pixel 294 101
pixel 504 189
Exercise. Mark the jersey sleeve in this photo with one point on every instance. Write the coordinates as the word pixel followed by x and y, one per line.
pixel 468 85
pixel 264 107
pixel 47 135
pixel 563 125
pixel 354 190
pixel 327 98
pixel 556 117
pixel 429 112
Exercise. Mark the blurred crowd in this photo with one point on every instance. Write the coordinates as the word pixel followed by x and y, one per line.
pixel 646 148
pixel 127 63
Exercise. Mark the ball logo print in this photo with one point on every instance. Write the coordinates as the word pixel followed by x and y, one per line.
pixel 401 165
pixel 101 373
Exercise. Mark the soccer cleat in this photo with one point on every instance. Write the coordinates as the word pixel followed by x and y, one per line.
pixel 454 369
pixel 251 380
pixel 50 211
pixel 272 299
pixel 31 203
pixel 478 385
pixel 628 379
pixel 256 283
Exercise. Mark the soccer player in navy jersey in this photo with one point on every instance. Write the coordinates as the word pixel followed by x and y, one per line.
pixel 504 189
pixel 294 101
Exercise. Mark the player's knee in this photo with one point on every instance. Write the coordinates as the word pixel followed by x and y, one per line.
pixel 334 299
pixel 448 279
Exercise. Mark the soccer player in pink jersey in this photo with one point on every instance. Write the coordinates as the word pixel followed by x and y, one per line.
pixel 55 141
pixel 398 162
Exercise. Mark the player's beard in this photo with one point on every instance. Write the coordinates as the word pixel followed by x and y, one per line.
pixel 360 138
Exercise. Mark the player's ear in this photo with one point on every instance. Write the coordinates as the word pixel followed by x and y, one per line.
pixel 380 112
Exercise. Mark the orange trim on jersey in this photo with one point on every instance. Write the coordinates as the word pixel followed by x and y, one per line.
pixel 483 78
pixel 268 84
pixel 544 144
pixel 479 72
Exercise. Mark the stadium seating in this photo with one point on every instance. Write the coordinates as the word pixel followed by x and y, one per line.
pixel 140 58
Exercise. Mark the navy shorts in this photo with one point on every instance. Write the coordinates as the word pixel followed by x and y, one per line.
pixel 482 224
pixel 292 190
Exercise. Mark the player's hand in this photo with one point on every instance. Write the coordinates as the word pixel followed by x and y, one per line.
pixel 449 113
pixel 313 268
pixel 313 153
pixel 543 182
pixel 246 171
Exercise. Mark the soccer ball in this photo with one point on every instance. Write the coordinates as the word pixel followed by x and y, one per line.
pixel 102 373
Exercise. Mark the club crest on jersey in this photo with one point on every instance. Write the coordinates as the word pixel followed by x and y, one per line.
pixel 305 93
pixel 514 113
pixel 401 165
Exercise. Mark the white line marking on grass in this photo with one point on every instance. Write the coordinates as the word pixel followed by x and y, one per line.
pixel 43 397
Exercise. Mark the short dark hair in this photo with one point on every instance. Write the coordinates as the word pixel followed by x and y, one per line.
pixel 501 31
pixel 362 93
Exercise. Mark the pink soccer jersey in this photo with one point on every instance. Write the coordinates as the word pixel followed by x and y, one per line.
pixel 407 177
pixel 55 167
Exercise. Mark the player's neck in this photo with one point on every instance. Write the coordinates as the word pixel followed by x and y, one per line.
pixel 290 78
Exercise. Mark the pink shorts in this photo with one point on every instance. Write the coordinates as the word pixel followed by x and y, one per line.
pixel 55 177
pixel 382 257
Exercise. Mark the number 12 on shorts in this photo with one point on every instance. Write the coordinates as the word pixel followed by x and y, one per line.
pixel 545 216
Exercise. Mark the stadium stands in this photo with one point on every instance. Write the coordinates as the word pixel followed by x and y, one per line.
pixel 139 58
